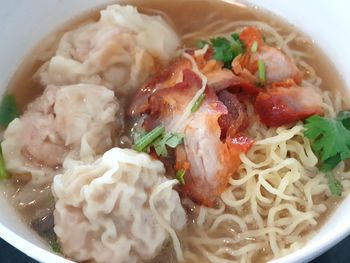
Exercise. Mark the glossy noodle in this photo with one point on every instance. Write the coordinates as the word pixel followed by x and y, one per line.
pixel 278 193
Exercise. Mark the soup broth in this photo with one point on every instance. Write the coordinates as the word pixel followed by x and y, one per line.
pixel 186 17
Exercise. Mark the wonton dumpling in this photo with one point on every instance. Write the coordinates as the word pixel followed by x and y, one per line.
pixel 119 51
pixel 74 121
pixel 103 209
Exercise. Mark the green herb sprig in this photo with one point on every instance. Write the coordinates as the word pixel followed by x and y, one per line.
pixel 158 139
pixel 224 49
pixel 330 141
pixel 261 72
pixel 198 103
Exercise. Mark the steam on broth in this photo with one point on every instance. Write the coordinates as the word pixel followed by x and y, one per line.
pixel 250 186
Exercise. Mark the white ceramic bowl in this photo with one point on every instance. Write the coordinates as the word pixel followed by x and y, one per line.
pixel 25 22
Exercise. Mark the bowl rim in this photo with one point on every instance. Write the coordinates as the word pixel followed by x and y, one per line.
pixel 29 248
pixel 301 255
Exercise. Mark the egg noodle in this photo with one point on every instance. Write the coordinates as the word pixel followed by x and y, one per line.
pixel 277 195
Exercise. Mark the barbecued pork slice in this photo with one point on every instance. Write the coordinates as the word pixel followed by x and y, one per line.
pixel 280 105
pixel 278 66
pixel 209 158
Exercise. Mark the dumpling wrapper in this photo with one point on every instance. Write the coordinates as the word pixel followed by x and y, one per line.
pixel 120 51
pixel 104 210
pixel 76 121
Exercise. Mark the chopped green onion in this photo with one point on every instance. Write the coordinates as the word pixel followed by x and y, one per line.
pixel 160 147
pixel 3 173
pixel 180 175
pixel 174 139
pixel 137 135
pixel 261 71
pixel 198 103
pixel 254 47
pixel 158 139
pixel 150 137
pixel 167 139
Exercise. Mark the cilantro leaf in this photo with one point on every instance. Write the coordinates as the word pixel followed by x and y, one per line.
pixel 237 45
pixel 222 50
pixel 330 140
pixel 329 164
pixel 225 50
pixel 235 36
pixel 335 185
pixel 344 117
pixel 8 110
pixel 329 137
